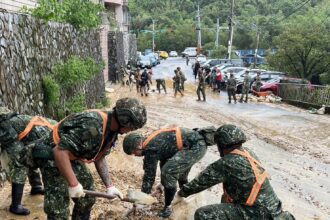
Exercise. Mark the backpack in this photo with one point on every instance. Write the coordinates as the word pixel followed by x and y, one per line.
pixel 207 133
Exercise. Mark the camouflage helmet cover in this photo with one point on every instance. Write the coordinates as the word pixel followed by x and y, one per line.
pixel 131 113
pixel 132 142
pixel 229 134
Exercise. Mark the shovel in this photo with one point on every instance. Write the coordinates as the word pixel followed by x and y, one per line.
pixel 135 197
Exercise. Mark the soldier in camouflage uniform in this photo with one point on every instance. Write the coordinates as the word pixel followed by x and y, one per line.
pixel 201 86
pixel 182 78
pixel 177 149
pixel 247 190
pixel 246 87
pixel 258 82
pixel 231 87
pixel 161 82
pixel 17 131
pixel 82 138
pixel 177 83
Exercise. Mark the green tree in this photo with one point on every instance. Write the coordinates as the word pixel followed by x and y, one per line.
pixel 303 48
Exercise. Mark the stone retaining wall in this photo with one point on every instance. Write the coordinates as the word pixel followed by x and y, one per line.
pixel 29 48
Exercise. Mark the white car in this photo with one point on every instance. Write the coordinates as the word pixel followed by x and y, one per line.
pixel 144 62
pixel 201 59
pixel 173 54
pixel 190 51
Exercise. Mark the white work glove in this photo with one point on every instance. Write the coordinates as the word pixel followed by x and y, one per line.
pixel 113 191
pixel 76 191
pixel 177 199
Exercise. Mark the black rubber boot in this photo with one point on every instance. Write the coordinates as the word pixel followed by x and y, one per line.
pixel 16 198
pixel 169 195
pixel 166 212
pixel 76 215
pixel 35 182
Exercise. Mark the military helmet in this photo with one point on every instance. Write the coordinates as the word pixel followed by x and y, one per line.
pixel 132 142
pixel 131 113
pixel 229 134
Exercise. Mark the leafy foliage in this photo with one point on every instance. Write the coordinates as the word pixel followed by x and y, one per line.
pixel 76 104
pixel 82 14
pixel 66 75
pixel 75 71
pixel 51 90
pixel 277 21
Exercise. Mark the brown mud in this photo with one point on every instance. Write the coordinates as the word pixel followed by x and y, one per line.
pixel 293 146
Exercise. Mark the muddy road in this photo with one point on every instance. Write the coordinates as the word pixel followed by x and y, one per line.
pixel 292 144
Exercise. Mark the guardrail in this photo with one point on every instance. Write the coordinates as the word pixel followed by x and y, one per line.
pixel 305 93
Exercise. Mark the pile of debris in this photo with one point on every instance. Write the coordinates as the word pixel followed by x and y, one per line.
pixel 271 98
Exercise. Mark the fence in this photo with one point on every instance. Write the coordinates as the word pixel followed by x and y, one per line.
pixel 305 93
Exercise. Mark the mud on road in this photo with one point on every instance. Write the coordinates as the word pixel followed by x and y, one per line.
pixel 292 145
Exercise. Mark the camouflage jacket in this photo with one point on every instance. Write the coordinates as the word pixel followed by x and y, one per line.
pixel 162 148
pixel 201 79
pixel 247 81
pixel 82 133
pixel 237 176
pixel 11 128
pixel 231 83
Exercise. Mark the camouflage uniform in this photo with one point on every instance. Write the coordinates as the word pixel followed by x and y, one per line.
pixel 258 83
pixel 137 77
pixel 182 79
pixel 246 88
pixel 238 178
pixel 9 131
pixel 176 84
pixel 161 82
pixel 175 164
pixel 201 86
pixel 81 134
pixel 231 89
pixel 11 126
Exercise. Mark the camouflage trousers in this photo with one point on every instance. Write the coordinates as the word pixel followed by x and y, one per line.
pixel 177 88
pixel 201 89
pixel 228 211
pixel 57 200
pixel 231 93
pixel 178 167
pixel 245 92
pixel 161 82
pixel 15 170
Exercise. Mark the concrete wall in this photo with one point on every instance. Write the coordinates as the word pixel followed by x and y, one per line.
pixel 28 50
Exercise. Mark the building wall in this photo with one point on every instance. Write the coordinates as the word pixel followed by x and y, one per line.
pixel 29 48
pixel 16 5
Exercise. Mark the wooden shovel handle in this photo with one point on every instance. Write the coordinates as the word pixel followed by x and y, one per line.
pixel 104 195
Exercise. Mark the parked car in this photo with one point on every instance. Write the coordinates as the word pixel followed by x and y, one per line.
pixel 236 69
pixel 157 57
pixel 144 62
pixel 201 59
pixel 190 51
pixel 273 84
pixel 163 54
pixel 153 59
pixel 173 54
pixel 214 62
pixel 147 51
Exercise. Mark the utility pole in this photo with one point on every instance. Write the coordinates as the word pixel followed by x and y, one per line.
pixel 217 34
pixel 231 28
pixel 199 42
pixel 257 47
pixel 153 35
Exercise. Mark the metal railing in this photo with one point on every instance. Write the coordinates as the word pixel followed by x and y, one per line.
pixel 305 93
